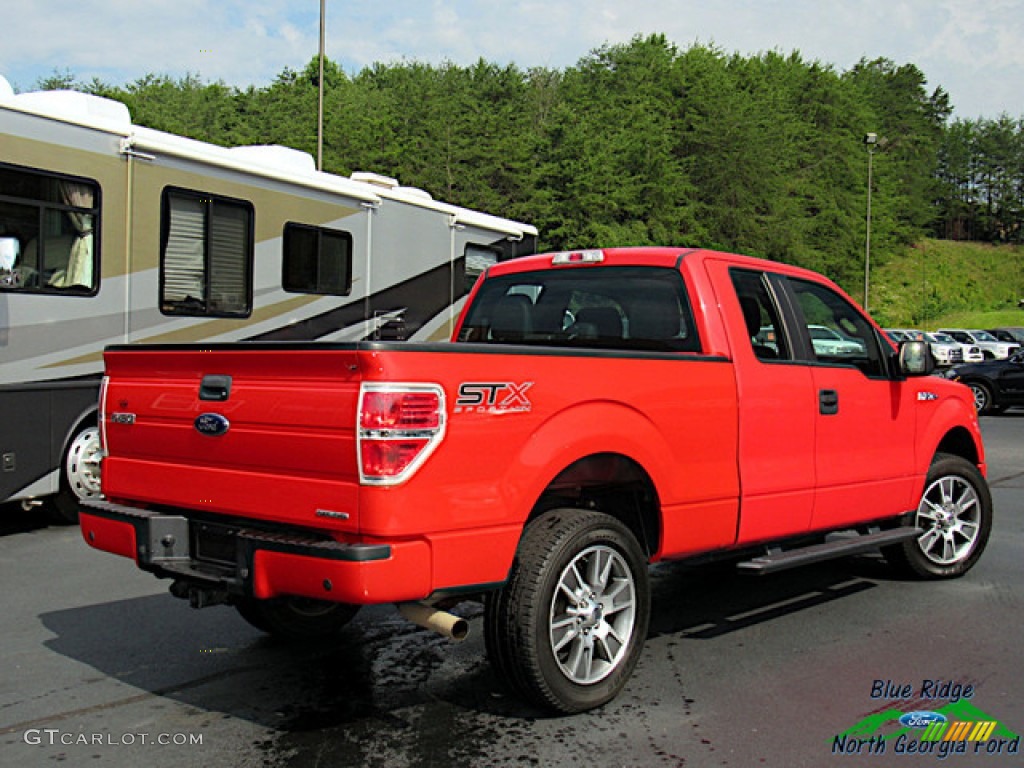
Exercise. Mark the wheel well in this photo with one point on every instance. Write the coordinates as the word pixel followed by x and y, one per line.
pixel 968 380
pixel 959 442
pixel 613 484
pixel 88 418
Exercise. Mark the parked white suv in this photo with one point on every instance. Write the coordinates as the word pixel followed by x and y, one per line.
pixel 991 348
pixel 945 349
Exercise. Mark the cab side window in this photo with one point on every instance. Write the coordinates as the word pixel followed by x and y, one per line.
pixel 764 326
pixel 839 334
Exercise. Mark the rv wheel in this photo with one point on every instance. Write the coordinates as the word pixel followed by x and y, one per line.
pixel 79 476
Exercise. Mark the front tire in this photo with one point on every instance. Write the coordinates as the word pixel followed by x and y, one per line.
pixel 982 397
pixel 297 618
pixel 569 626
pixel 954 518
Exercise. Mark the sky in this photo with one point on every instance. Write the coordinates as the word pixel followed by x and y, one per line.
pixel 973 49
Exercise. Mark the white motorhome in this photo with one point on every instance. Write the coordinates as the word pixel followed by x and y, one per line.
pixel 112 232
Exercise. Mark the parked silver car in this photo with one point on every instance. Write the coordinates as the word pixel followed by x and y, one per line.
pixel 906 334
pixel 991 348
pixel 829 343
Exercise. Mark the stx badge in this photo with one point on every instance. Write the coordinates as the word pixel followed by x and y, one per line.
pixel 493 397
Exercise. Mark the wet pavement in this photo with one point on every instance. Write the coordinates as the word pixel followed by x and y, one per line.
pixel 102 666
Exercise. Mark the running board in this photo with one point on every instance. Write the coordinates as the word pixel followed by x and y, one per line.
pixel 779 560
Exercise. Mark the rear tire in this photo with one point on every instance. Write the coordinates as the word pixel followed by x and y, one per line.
pixel 297 618
pixel 954 518
pixel 569 626
pixel 496 634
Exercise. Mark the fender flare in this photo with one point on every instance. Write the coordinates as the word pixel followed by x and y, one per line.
pixel 88 417
pixel 945 431
pixel 578 432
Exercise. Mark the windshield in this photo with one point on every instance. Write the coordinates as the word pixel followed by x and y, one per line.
pixel 941 338
pixel 984 336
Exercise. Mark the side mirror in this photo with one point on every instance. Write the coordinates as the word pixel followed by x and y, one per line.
pixel 10 249
pixel 916 358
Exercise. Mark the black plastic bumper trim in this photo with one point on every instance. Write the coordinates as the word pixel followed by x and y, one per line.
pixel 288 543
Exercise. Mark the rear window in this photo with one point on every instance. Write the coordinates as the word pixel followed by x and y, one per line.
pixel 626 308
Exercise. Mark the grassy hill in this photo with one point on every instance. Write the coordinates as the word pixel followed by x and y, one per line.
pixel 941 283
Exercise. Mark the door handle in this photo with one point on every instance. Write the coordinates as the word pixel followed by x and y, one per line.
pixel 828 402
pixel 215 388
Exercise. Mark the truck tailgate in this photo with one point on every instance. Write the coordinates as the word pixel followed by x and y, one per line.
pixel 262 431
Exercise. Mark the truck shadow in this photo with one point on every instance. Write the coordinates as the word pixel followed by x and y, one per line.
pixel 211 659
pixel 159 644
pixel 718 599
pixel 386 687
pixel 14 519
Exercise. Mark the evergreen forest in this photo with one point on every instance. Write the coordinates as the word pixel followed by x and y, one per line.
pixel 644 143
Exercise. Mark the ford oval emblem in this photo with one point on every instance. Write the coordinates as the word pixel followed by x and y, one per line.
pixel 212 424
pixel 921 719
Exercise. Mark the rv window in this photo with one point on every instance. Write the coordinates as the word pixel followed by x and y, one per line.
pixel 317 260
pixel 206 266
pixel 48 228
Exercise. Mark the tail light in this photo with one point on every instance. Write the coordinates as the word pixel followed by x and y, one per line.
pixel 399 426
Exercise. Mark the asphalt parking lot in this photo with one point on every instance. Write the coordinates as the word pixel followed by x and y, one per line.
pixel 102 666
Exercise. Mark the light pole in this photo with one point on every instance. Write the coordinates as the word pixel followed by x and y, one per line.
pixel 320 102
pixel 870 139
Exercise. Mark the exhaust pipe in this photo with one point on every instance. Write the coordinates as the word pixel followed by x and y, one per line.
pixel 442 622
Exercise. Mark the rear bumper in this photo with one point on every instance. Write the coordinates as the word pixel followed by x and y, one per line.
pixel 255 563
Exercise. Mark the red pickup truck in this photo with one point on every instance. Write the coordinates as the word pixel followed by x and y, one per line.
pixel 598 411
